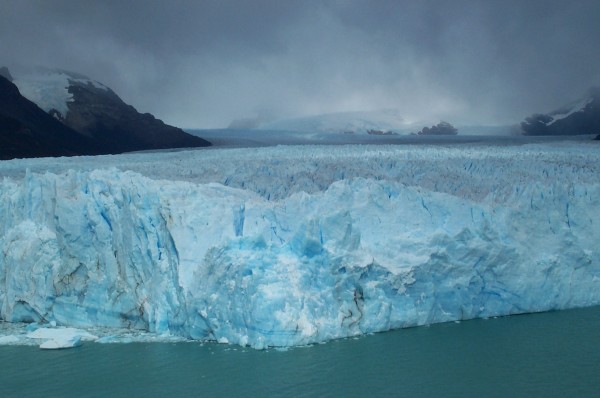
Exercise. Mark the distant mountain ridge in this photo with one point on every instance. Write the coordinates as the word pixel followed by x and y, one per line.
pixel 343 122
pixel 576 118
pixel 94 112
pixel 386 122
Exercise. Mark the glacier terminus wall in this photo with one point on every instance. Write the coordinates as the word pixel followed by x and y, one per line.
pixel 294 245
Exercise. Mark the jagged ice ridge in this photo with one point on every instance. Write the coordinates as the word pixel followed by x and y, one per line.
pixel 306 244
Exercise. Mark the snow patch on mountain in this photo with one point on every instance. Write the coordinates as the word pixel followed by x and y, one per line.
pixel 566 111
pixel 49 88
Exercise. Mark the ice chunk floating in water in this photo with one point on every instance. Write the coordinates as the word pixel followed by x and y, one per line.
pixel 206 261
pixel 56 338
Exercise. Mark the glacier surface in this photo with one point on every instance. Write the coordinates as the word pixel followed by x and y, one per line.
pixel 294 245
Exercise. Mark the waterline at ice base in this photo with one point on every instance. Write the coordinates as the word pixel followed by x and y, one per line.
pixel 289 246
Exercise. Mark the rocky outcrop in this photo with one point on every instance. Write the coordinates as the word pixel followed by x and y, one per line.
pixel 442 128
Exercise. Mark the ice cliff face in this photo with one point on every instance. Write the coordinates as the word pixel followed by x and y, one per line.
pixel 208 261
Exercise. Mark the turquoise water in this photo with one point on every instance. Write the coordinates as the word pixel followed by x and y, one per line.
pixel 549 354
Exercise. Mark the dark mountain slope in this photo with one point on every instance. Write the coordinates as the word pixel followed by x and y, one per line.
pixel 578 117
pixel 97 112
pixel 104 123
pixel 28 131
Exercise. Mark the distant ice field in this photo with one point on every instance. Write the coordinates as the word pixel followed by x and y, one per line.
pixel 486 135
pixel 297 244
pixel 229 164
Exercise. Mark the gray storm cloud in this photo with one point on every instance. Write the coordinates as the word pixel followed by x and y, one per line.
pixel 205 63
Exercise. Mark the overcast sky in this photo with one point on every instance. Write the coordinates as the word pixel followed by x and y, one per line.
pixel 205 63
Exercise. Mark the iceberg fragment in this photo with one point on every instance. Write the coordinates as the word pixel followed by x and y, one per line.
pixel 61 342
pixel 57 338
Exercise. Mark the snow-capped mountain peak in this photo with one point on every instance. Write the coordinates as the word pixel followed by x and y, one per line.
pixel 49 88
pixel 577 117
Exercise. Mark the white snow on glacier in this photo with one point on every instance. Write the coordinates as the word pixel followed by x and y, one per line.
pixel 293 245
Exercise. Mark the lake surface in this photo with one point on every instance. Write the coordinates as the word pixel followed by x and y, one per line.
pixel 547 354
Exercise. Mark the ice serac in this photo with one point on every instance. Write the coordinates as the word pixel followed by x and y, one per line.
pixel 207 261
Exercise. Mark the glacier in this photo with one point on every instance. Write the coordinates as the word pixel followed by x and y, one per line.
pixel 293 245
